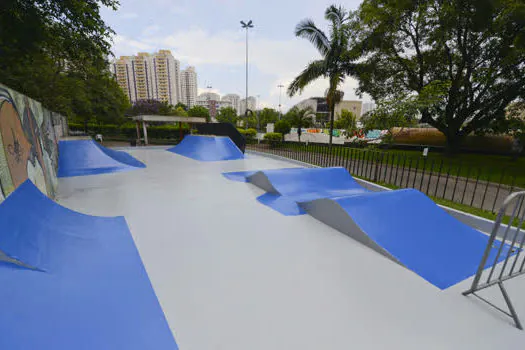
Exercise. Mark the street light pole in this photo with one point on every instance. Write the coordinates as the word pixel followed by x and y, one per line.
pixel 246 26
pixel 280 86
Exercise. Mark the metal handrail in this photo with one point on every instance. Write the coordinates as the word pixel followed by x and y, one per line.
pixel 514 252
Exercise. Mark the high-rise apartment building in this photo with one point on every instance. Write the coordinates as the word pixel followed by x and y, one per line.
pixel 252 104
pixel 188 80
pixel 149 76
pixel 232 99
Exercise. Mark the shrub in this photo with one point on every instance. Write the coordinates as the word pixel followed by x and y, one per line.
pixel 282 127
pixel 273 136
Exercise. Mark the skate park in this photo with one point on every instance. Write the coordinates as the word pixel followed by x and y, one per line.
pixel 163 237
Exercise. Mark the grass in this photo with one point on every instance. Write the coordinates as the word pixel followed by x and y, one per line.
pixel 493 168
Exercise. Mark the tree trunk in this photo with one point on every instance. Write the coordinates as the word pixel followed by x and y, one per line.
pixel 454 141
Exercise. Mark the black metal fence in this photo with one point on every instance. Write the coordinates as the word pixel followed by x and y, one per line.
pixel 460 183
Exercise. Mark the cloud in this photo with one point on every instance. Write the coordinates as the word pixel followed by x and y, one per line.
pixel 281 60
pixel 124 46
pixel 150 30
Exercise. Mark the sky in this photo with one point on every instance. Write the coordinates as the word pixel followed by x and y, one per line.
pixel 208 36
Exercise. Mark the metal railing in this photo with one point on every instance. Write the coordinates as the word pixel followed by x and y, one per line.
pixel 513 264
pixel 472 185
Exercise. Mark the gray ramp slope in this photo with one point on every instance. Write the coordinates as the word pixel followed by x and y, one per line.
pixel 332 214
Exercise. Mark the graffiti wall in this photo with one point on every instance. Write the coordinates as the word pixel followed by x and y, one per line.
pixel 29 137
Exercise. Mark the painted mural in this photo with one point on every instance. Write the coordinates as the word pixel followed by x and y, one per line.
pixel 29 137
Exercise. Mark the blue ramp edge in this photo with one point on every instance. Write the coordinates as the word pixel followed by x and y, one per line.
pixel 87 157
pixel 290 186
pixel 92 292
pixel 419 234
pixel 207 148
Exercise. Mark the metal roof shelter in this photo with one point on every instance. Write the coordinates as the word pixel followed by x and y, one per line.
pixel 144 119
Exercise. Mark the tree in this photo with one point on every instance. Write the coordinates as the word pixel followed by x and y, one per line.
pixel 227 115
pixel 150 106
pixel 181 105
pixel 268 115
pixel 200 112
pixel 347 121
pixel 300 118
pixel 180 112
pixel 56 52
pixel 282 127
pixel 334 64
pixel 466 57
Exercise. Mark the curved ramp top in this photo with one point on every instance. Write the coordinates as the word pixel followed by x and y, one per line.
pixel 90 291
pixel 289 186
pixel 87 157
pixel 409 228
pixel 208 148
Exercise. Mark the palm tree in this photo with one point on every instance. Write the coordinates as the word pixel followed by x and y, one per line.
pixel 300 118
pixel 332 65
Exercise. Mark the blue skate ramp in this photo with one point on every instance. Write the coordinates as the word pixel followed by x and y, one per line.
pixel 89 290
pixel 409 228
pixel 87 157
pixel 287 187
pixel 208 148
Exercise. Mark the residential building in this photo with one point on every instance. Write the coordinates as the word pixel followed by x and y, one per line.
pixel 189 86
pixel 211 101
pixel 252 105
pixel 234 101
pixel 368 107
pixel 149 76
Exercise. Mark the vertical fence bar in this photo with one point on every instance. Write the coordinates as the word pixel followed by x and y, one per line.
pixel 475 187
pixel 430 176
pixel 466 184
pixel 457 178
pixel 439 177
pixel 403 170
pixel 415 174
pixel 497 191
pixel 409 171
pixel 423 173
pixel 446 182
pixel 397 170
pixel 486 189
pixel 386 167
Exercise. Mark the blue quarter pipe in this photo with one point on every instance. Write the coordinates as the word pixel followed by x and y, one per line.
pixel 87 157
pixel 82 284
pixel 208 148
pixel 404 225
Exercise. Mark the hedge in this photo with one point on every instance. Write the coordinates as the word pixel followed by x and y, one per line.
pixel 130 130
pixel 433 137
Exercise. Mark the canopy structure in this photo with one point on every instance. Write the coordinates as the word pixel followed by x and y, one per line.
pixel 144 119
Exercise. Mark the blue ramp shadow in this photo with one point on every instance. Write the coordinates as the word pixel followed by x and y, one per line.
pixel 412 230
pixel 90 291
pixel 208 148
pixel 87 157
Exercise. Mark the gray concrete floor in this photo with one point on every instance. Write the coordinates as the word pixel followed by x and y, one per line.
pixel 233 274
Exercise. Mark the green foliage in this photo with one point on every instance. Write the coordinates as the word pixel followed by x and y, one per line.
pixel 200 112
pixel 299 118
pixel 282 127
pixel 388 115
pixel 273 136
pixel 181 105
pixel 268 115
pixel 55 52
pixel 347 121
pixel 334 64
pixel 227 115
pixel 249 134
pixel 461 61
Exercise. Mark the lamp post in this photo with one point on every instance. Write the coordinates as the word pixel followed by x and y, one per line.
pixel 246 26
pixel 280 86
